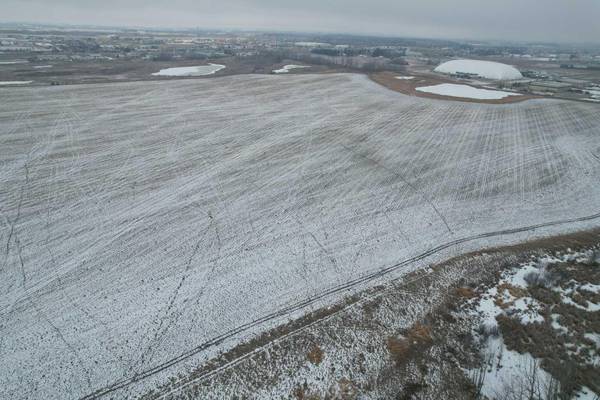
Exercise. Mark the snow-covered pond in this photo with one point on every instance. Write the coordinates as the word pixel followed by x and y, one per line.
pixel 198 70
pixel 465 91
pixel 10 83
pixel 405 78
pixel 288 68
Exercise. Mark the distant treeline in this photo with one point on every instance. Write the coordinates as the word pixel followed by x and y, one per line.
pixel 349 51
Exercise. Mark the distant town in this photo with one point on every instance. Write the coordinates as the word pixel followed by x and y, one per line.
pixel 52 55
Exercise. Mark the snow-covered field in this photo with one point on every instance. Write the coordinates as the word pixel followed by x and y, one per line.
pixel 199 70
pixel 484 69
pixel 465 91
pixel 146 226
pixel 288 68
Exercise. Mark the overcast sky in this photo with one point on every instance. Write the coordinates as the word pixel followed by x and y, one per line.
pixel 540 20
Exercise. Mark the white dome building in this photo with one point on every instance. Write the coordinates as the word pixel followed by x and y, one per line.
pixel 483 69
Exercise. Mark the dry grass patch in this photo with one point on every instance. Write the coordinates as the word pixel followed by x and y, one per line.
pixel 347 389
pixel 315 355
pixel 466 292
pixel 420 334
pixel 417 339
pixel 398 348
pixel 300 393
pixel 568 355
pixel 514 291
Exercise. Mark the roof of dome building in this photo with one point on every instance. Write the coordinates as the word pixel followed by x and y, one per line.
pixel 483 69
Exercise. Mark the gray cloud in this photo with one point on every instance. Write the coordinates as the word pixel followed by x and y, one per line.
pixel 547 20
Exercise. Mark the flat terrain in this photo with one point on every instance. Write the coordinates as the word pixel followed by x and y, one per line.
pixel 83 72
pixel 147 226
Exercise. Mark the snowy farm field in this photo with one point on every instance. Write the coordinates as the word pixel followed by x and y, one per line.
pixel 148 226
pixel 199 70
pixel 466 91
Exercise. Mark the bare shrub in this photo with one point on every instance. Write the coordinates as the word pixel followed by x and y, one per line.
pixel 487 330
pixel 479 374
pixel 529 385
pixel 596 257
pixel 541 278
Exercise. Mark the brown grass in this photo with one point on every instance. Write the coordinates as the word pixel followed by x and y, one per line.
pixel 420 334
pixel 514 291
pixel 398 348
pixel 466 292
pixel 300 394
pixel 315 355
pixel 417 339
pixel 348 390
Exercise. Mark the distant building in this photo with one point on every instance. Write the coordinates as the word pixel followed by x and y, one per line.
pixel 552 87
pixel 313 44
pixel 517 83
pixel 576 83
pixel 482 69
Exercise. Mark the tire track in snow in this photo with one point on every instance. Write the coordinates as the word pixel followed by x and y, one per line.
pixel 305 303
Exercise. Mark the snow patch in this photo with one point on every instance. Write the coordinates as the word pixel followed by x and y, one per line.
pixel 507 369
pixel 465 91
pixel 586 394
pixel 288 68
pixel 199 70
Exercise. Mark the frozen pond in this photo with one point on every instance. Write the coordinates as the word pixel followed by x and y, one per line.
pixel 288 68
pixel 465 91
pixel 198 70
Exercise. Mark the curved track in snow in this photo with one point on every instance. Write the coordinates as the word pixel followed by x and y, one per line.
pixel 299 306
